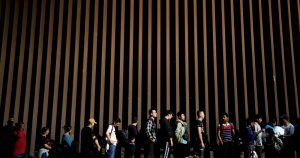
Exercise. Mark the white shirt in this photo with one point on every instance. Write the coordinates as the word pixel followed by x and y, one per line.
pixel 288 130
pixel 258 140
pixel 112 131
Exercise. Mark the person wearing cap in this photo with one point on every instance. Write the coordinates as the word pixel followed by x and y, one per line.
pixel 288 149
pixel 112 137
pixel 88 139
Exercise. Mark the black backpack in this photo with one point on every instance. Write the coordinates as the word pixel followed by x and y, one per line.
pixel 122 136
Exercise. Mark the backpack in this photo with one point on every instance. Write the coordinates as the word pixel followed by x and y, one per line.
pixel 231 127
pixel 122 137
pixel 278 144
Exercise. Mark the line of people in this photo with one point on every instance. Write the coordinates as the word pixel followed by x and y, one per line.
pixel 274 140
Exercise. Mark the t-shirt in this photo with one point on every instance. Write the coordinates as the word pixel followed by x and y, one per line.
pixel 200 124
pixel 289 129
pixel 112 130
pixel 257 128
pixel 87 141
pixel 166 130
pixel 68 140
pixel 249 136
pixel 132 132
pixel 20 145
pixel 204 136
pixel 226 132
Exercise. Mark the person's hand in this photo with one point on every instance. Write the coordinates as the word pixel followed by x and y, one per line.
pixel 99 148
pixel 221 142
pixel 202 145
pixel 112 141
pixel 133 141
pixel 171 143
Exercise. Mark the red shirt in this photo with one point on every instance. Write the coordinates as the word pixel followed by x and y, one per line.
pixel 20 145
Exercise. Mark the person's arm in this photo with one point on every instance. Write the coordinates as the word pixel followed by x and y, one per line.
pixel 232 129
pixel 108 133
pixel 47 146
pixel 148 131
pixel 170 133
pixel 219 135
pixel 292 130
pixel 97 143
pixel 199 129
pixel 178 131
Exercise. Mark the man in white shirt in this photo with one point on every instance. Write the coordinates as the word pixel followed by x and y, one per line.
pixel 112 137
pixel 258 140
pixel 288 150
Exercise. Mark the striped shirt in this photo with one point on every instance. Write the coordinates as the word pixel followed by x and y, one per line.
pixel 226 132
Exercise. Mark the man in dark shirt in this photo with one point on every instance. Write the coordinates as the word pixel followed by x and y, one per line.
pixel 201 139
pixel 167 133
pixel 88 140
pixel 132 133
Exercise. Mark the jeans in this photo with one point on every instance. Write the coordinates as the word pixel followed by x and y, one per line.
pixel 112 151
pixel 19 156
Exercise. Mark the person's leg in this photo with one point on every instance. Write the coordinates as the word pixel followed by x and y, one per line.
pixel 112 151
pixel 131 150
pixel 231 150
pixel 258 150
pixel 166 150
pixel 225 150
pixel 149 150
pixel 19 156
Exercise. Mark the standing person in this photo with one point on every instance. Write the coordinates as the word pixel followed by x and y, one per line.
pixel 150 134
pixel 288 150
pixel 269 145
pixel 132 134
pixel 112 137
pixel 68 142
pixel 296 137
pixel 167 133
pixel 249 138
pixel 225 134
pixel 20 144
pixel 201 136
pixel 89 140
pixel 7 139
pixel 43 144
pixel 182 136
pixel 258 140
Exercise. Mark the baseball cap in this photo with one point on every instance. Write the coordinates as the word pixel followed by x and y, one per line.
pixel 92 121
